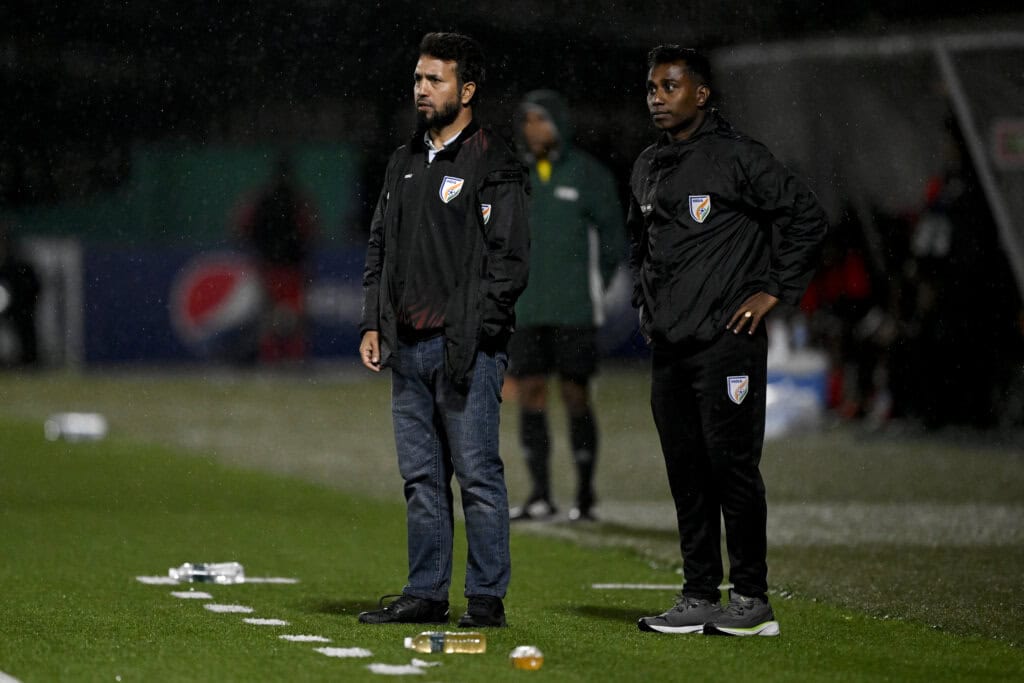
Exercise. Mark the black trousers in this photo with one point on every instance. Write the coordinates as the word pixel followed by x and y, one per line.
pixel 708 402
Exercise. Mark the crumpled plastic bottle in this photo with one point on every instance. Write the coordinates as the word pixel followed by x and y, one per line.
pixel 209 572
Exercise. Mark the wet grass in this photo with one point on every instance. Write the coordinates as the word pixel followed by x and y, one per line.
pixel 80 521
pixel 333 428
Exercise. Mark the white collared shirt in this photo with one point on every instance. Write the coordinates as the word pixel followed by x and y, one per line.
pixel 431 150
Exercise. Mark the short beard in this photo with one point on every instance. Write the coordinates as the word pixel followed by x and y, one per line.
pixel 440 119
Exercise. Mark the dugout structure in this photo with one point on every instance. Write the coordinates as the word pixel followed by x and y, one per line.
pixel 865 119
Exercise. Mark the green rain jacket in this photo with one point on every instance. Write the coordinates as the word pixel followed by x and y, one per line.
pixel 579 201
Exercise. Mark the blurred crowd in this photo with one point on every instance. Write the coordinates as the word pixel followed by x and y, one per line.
pixel 919 313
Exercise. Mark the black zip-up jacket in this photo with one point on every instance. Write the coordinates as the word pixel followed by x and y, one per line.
pixel 713 220
pixel 493 272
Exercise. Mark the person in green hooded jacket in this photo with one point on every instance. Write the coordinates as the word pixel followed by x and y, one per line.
pixel 577 241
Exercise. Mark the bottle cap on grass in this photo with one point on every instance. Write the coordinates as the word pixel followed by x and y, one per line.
pixel 527 657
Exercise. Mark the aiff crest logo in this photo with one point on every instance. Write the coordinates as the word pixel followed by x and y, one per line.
pixel 700 206
pixel 450 188
pixel 738 386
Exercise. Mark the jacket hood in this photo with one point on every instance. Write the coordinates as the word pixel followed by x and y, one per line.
pixel 556 109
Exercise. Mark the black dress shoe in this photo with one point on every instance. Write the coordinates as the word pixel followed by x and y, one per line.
pixel 406 609
pixel 483 610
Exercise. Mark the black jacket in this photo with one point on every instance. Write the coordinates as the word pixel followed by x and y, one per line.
pixel 494 269
pixel 713 220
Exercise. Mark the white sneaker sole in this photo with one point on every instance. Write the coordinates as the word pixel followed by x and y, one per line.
pixel 644 626
pixel 768 628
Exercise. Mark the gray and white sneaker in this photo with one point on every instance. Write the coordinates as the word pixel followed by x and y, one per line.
pixel 687 616
pixel 744 616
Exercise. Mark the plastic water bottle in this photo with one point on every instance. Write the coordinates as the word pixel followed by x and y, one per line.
pixel 448 642
pixel 75 427
pixel 527 657
pixel 209 572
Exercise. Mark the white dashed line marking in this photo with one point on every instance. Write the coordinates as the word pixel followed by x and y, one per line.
pixel 157 580
pixel 168 581
pixel 422 664
pixel 396 669
pixel 229 608
pixel 344 651
pixel 256 621
pixel 305 639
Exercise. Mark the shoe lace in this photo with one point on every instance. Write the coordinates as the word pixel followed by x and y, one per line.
pixel 684 602
pixel 400 599
pixel 739 605
pixel 481 606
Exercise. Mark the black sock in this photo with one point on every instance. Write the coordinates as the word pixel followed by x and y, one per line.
pixel 533 433
pixel 583 436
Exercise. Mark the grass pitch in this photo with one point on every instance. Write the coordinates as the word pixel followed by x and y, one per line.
pixel 295 476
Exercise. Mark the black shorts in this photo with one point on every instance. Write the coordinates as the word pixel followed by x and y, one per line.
pixel 569 351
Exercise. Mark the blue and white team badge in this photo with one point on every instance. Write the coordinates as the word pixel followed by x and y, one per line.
pixel 485 211
pixel 450 188
pixel 737 388
pixel 700 206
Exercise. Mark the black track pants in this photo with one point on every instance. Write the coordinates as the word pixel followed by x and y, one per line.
pixel 709 407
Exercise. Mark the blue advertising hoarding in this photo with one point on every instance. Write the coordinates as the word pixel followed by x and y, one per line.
pixel 166 304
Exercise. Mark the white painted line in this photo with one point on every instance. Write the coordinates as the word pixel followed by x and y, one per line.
pixel 636 586
pixel 192 595
pixel 396 669
pixel 168 581
pixel 424 665
pixel 256 621
pixel 344 651
pixel 646 586
pixel 305 639
pixel 157 580
pixel 228 608
pixel 960 525
pixel 4 678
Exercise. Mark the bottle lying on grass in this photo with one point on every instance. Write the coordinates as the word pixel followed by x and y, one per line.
pixel 209 572
pixel 447 642
pixel 75 427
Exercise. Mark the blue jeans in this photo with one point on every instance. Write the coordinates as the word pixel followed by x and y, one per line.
pixel 440 431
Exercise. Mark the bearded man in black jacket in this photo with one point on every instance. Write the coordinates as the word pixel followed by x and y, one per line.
pixel 447 260
pixel 721 232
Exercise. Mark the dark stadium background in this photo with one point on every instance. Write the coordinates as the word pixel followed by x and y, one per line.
pixel 115 73
pixel 98 97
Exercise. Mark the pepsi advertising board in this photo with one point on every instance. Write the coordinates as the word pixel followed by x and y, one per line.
pixel 185 304
pixel 166 305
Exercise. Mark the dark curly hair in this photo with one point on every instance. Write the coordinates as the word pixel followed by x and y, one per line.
pixel 696 63
pixel 465 51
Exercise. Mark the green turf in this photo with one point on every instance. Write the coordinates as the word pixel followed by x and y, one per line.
pixel 79 521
